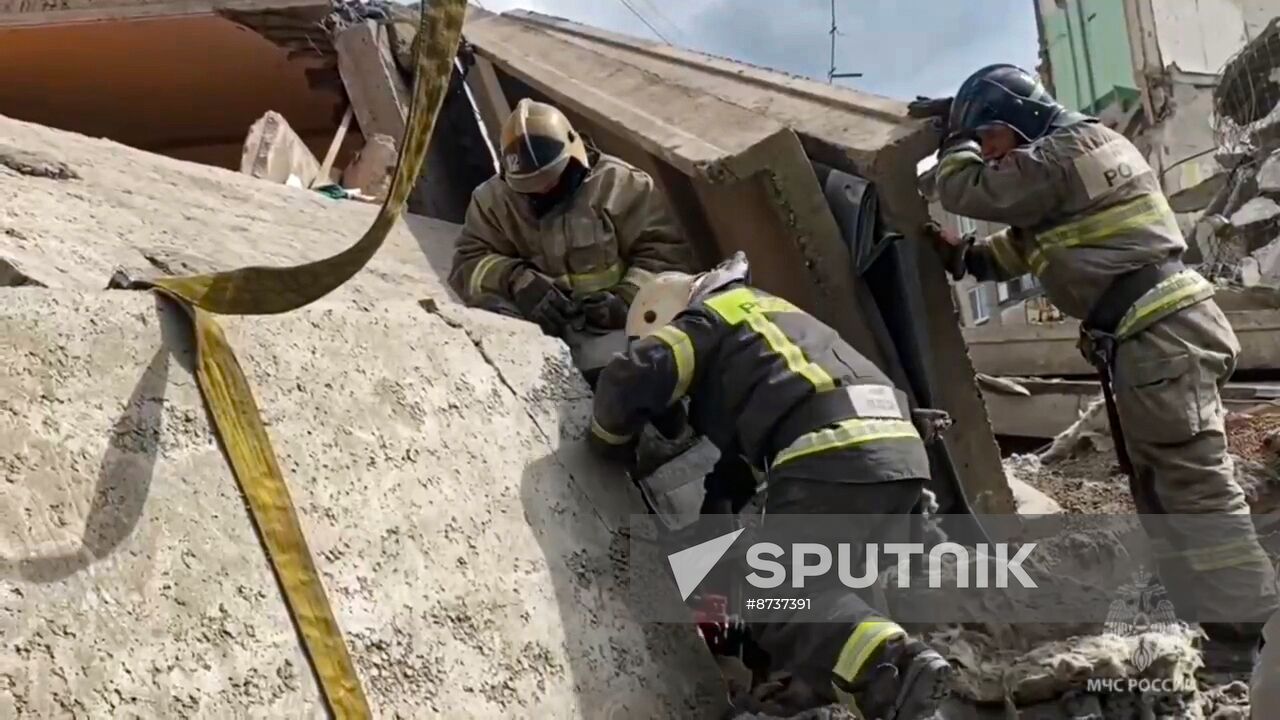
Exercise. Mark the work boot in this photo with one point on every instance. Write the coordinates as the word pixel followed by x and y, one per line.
pixel 908 681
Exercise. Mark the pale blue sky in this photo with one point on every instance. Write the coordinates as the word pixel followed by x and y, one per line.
pixel 902 47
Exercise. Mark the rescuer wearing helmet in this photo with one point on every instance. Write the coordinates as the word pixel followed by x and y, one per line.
pixel 564 235
pixel 1088 218
pixel 777 391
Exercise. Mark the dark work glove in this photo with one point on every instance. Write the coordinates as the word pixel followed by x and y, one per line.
pixel 952 253
pixel 605 311
pixel 540 301
pixel 930 423
pixel 672 422
pixel 924 107
pixel 729 486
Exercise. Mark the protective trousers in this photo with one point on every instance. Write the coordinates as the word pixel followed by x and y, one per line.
pixel 1167 383
pixel 842 631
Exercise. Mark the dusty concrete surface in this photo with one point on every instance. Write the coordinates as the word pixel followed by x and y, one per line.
pixel 139 210
pixel 431 450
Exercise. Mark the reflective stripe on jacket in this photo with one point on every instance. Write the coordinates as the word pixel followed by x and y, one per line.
pixel 616 230
pixel 747 360
pixel 1084 208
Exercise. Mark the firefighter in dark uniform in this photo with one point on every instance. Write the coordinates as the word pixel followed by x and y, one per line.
pixel 772 387
pixel 1088 218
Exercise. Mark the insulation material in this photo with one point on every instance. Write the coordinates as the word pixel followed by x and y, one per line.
pixel 991 670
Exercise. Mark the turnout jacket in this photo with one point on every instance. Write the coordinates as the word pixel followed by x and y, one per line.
pixel 612 233
pixel 1084 208
pixel 767 383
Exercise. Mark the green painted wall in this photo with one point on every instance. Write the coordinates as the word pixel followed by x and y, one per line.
pixel 1089 81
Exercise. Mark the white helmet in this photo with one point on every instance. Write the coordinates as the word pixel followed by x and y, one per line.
pixel 658 302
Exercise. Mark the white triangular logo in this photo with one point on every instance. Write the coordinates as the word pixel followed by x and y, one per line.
pixel 691 565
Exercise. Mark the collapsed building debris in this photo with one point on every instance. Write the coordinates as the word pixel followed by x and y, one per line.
pixel 273 151
pixel 540 628
pixel 1237 234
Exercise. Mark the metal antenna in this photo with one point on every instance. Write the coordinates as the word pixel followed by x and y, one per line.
pixel 835 30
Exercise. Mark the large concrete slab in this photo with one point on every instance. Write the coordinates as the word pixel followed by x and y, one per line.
pixel 470 550
pixel 124 207
pixel 733 147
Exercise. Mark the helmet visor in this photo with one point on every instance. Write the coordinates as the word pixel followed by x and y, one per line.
pixel 533 163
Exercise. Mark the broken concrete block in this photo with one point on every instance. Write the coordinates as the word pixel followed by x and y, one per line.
pixel 1269 175
pixel 1265 133
pixel 273 151
pixel 1031 501
pixel 1267 258
pixel 370 171
pixel 1248 273
pixel 1229 159
pixel 1195 184
pixel 1255 212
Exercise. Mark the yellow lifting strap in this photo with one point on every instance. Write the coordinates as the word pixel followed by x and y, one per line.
pixel 269 290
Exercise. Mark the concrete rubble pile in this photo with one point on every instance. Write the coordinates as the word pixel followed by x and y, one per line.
pixel 1237 233
pixel 430 450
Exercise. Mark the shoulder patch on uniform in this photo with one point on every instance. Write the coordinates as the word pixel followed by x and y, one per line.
pixel 874 401
pixel 1110 166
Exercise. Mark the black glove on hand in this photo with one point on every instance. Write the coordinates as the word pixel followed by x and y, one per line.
pixel 923 107
pixel 541 301
pixel 672 422
pixel 952 254
pixel 605 311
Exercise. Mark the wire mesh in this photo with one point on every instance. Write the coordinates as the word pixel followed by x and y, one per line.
pixel 1246 126
pixel 1246 96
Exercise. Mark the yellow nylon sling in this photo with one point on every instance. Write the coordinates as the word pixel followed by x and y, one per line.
pixel 270 290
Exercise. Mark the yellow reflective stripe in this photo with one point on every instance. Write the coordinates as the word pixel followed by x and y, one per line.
pixel 682 348
pixel 744 306
pixel 476 285
pixel 1217 557
pixel 1175 292
pixel 862 643
pixel 596 281
pixel 849 433
pixel 1092 230
pixel 607 436
pixel 237 420
pixel 1006 254
pixel 957 160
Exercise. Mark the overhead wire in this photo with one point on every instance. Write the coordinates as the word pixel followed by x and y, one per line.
pixel 645 20
pixel 653 6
